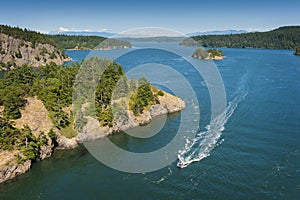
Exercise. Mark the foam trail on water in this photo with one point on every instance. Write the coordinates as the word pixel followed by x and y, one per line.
pixel 205 141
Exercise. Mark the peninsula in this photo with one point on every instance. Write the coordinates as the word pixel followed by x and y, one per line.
pixel 78 42
pixel 37 114
pixel 37 109
pixel 287 37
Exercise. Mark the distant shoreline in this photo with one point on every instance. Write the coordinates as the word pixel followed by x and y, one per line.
pixel 101 49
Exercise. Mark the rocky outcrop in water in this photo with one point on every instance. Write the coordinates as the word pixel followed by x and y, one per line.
pixel 211 54
pixel 9 167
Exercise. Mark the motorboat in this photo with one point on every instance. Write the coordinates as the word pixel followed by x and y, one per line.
pixel 181 164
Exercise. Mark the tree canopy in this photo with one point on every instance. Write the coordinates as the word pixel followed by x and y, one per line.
pixel 142 97
pixel 282 38
pixel 87 42
pixel 27 35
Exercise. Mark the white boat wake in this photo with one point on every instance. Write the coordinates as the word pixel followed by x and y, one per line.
pixel 205 141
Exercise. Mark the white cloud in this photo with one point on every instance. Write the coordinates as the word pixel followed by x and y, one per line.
pixel 64 29
pixel 257 29
pixel 150 32
pixel 43 31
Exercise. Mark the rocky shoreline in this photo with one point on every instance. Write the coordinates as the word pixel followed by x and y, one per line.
pixel 36 117
pixel 93 131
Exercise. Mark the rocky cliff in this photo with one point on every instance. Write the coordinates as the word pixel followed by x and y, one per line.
pixel 35 115
pixel 16 52
pixel 92 131
pixel 9 167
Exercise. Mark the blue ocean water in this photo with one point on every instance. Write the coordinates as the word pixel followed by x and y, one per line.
pixel 256 154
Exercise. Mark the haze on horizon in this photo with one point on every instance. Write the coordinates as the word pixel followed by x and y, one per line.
pixel 117 16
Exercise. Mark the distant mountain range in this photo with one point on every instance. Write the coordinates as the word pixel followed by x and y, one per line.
pixel 109 34
pixel 224 32
pixel 84 33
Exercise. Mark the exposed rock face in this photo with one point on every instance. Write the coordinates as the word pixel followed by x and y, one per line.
pixel 93 130
pixel 172 103
pixel 9 168
pixel 36 117
pixel 158 109
pixel 19 52
pixel 46 151
pixel 66 143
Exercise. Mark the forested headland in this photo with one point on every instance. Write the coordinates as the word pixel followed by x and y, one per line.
pixel 53 85
pixel 77 42
pixel 282 38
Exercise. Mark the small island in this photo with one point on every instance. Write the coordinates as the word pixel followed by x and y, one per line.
pixel 211 54
pixel 297 51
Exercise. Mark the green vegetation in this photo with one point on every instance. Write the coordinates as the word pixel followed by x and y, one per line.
pixel 52 135
pixel 51 83
pixel 297 51
pixel 13 88
pixel 54 86
pixel 87 42
pixel 215 53
pixel 60 42
pixel 20 139
pixel 281 38
pixel 104 92
pixel 142 97
pixel 160 93
pixel 76 42
pixel 189 42
pixel 27 35
pixel 114 93
pixel 209 54
pixel 140 93
pixel 113 44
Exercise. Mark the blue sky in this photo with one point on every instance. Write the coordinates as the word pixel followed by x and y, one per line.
pixel 184 16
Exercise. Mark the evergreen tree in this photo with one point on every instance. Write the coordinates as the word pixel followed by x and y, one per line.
pixel 142 97
pixel 13 100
